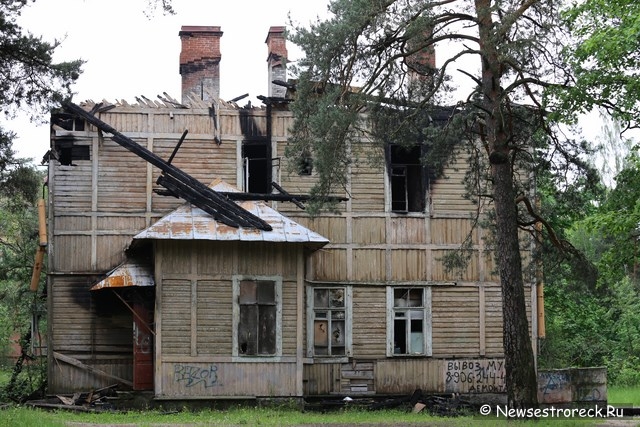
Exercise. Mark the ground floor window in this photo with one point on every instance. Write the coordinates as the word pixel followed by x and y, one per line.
pixel 329 321
pixel 257 316
pixel 409 321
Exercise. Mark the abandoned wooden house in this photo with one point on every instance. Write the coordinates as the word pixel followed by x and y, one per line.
pixel 215 294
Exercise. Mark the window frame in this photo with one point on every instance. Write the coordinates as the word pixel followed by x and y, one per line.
pixel 236 279
pixel 427 323
pixel 348 322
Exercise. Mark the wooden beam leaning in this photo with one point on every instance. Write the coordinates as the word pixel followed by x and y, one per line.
pixel 210 201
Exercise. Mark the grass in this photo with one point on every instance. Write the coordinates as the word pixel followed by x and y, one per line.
pixel 624 395
pixel 21 416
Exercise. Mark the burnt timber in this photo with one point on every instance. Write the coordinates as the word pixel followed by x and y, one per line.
pixel 179 182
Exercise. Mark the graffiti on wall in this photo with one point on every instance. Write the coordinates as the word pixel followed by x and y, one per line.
pixel 474 376
pixel 190 376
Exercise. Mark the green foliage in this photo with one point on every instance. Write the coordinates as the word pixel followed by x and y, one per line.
pixel 20 186
pixel 29 78
pixel 605 58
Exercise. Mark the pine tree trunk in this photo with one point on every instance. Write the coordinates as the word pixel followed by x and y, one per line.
pixel 520 369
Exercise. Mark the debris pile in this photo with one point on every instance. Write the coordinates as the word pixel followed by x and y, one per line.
pixel 91 401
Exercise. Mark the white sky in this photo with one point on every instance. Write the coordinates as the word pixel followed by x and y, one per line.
pixel 129 55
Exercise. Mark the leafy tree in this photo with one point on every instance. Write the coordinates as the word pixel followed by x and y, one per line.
pixel 380 46
pixel 20 185
pixel 605 58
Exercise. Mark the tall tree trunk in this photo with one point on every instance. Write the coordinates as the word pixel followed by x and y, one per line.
pixel 520 369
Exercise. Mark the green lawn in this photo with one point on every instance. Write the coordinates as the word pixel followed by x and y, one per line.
pixel 267 417
pixel 624 395
pixel 25 416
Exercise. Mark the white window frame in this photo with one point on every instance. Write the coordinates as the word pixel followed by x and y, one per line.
pixel 236 317
pixel 348 322
pixel 427 338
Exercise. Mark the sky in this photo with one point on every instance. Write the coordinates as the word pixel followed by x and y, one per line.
pixel 128 54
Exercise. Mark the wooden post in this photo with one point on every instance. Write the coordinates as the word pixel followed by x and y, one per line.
pixel 42 223
pixel 42 248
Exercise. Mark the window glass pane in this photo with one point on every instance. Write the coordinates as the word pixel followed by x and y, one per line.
pixel 336 297
pixel 321 351
pixel 337 314
pixel 415 298
pixel 321 334
pixel 248 292
pixel 267 330
pixel 400 297
pixel 417 342
pixel 247 330
pixel 266 292
pixel 337 333
pixel 416 314
pixel 321 314
pixel 338 351
pixel 321 298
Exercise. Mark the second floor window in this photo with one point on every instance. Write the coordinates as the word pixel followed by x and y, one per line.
pixel 406 178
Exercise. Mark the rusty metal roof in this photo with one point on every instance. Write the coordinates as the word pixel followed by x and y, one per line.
pixel 191 223
pixel 126 274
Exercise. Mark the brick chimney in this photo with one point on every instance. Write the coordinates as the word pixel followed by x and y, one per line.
pixel 200 61
pixel 422 63
pixel 277 60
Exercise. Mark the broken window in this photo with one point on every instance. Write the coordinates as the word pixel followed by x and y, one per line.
pixel 407 178
pixel 304 163
pixel 410 324
pixel 258 323
pixel 256 158
pixel 67 151
pixel 329 322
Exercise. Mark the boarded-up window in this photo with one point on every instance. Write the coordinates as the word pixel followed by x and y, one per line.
pixel 329 334
pixel 257 323
pixel 411 321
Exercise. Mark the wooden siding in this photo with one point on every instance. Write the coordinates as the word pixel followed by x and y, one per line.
pixel 98 205
pixel 455 321
pixel 189 379
pixel 369 321
pixel 94 328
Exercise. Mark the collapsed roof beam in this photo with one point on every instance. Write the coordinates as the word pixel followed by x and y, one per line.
pixel 184 185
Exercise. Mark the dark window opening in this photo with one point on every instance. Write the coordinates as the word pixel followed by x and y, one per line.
pixel 68 122
pixel 257 323
pixel 257 168
pixel 68 152
pixel 407 179
pixel 305 164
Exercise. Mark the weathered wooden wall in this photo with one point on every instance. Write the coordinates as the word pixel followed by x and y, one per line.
pixel 97 205
pixel 194 330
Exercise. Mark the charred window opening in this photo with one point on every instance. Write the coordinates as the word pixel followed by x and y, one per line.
pixel 68 152
pixel 407 178
pixel 256 158
pixel 329 316
pixel 68 122
pixel 304 164
pixel 409 321
pixel 257 322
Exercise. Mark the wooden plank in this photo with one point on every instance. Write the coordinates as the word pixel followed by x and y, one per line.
pixel 79 364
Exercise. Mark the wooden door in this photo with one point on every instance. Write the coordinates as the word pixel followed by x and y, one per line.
pixel 142 347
